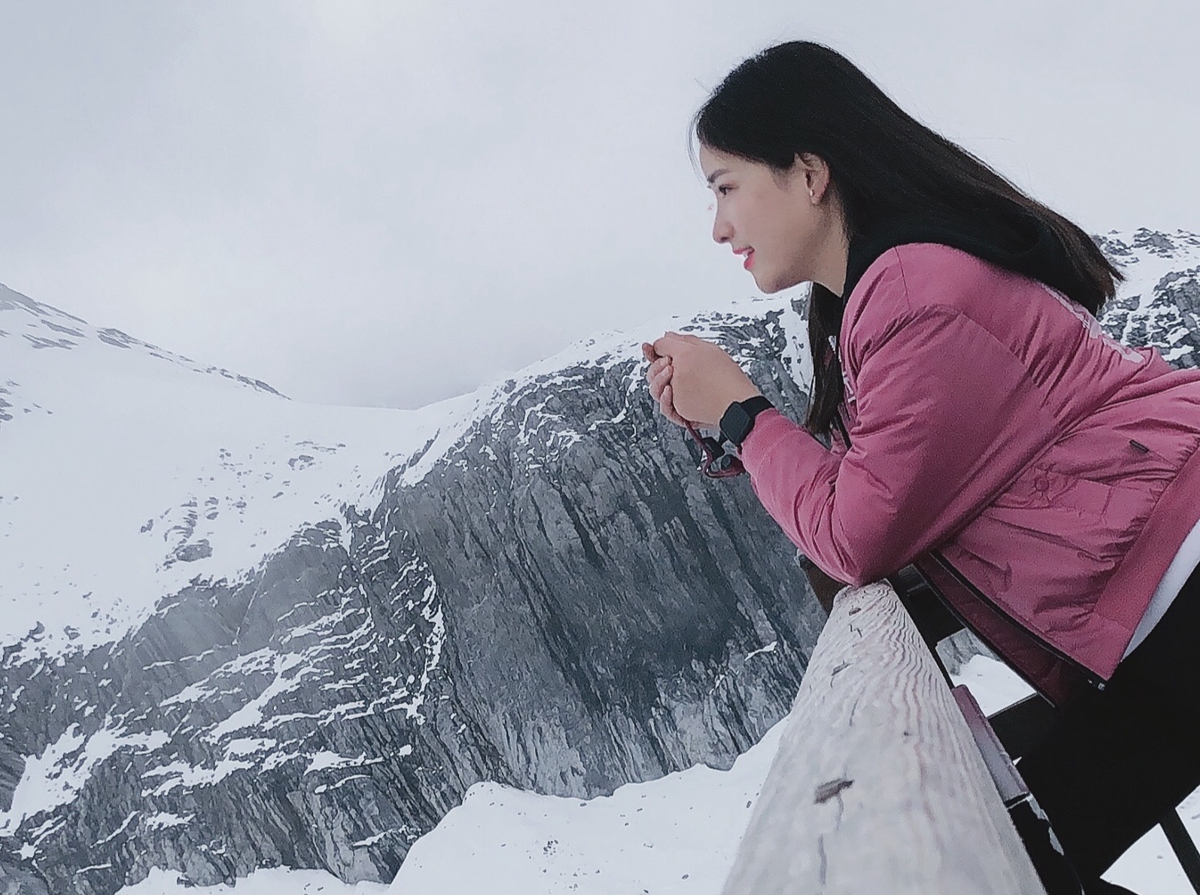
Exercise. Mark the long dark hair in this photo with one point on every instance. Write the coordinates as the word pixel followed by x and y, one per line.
pixel 885 166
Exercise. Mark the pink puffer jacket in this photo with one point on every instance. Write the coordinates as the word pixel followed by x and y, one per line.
pixel 990 418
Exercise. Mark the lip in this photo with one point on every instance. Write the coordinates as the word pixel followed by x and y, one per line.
pixel 749 252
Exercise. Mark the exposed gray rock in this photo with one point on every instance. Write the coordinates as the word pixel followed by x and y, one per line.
pixel 15 881
pixel 201 549
pixel 12 766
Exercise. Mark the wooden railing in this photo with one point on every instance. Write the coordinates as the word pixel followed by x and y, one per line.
pixel 878 787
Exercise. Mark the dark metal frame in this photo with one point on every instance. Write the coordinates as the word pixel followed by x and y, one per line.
pixel 1005 736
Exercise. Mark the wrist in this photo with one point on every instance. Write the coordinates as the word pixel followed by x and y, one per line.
pixel 739 417
pixel 738 395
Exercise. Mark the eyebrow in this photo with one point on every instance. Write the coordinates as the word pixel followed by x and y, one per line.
pixel 715 174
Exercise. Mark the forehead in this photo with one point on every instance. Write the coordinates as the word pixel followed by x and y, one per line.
pixel 713 160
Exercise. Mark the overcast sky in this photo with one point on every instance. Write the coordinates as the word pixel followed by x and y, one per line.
pixel 388 203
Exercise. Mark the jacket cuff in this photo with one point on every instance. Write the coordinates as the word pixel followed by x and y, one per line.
pixel 770 429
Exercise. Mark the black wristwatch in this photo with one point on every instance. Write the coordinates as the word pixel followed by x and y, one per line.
pixel 739 418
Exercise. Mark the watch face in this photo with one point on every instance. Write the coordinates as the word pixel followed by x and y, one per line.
pixel 738 420
pixel 735 423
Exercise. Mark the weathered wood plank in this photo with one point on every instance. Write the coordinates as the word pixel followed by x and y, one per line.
pixel 878 787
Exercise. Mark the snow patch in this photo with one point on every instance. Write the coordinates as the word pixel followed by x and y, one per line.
pixel 58 774
pixel 324 761
pixel 165 821
pixel 993 684
pixel 275 881
pixel 670 836
pixel 181 774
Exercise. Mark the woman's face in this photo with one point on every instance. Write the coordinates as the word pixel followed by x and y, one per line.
pixel 769 218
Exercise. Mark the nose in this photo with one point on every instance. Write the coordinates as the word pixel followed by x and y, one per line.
pixel 722 229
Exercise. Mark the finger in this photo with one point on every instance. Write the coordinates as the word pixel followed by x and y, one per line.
pixel 658 375
pixel 660 381
pixel 668 404
pixel 648 352
pixel 668 407
pixel 661 396
pixel 668 345
pixel 656 367
pixel 657 385
pixel 664 402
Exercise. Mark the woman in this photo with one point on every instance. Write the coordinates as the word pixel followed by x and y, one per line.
pixel 979 423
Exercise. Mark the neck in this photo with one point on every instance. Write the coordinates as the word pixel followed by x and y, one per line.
pixel 834 255
pixel 835 281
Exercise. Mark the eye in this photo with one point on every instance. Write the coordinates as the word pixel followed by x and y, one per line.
pixel 723 189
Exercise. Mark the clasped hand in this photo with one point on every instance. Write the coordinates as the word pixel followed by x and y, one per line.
pixel 694 381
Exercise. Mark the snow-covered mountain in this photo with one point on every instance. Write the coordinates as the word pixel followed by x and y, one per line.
pixel 243 632
pixel 129 471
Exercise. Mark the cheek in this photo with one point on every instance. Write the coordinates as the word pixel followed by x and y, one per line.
pixel 777 222
pixel 795 229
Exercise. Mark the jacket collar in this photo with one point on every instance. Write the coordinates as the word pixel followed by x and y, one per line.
pixel 1023 244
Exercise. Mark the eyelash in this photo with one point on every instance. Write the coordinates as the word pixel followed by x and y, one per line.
pixel 723 188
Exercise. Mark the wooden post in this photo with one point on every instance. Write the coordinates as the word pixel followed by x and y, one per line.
pixel 878 787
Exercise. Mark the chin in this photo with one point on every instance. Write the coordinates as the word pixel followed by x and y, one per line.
pixel 770 287
pixel 767 287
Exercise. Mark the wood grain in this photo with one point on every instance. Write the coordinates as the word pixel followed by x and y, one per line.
pixel 878 787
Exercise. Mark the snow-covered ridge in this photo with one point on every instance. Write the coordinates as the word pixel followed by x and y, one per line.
pixel 127 471
pixel 43 327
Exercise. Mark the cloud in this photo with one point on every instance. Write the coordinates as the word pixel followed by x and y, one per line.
pixel 386 203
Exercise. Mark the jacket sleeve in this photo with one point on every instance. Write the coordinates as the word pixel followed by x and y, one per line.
pixel 947 416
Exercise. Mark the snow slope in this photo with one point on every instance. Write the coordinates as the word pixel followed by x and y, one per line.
pixel 126 471
pixel 673 836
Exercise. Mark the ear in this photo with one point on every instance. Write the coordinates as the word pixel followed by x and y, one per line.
pixel 811 173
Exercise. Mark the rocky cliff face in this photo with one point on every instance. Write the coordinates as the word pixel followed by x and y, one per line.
pixel 558 602
pixel 561 603
pixel 1159 304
